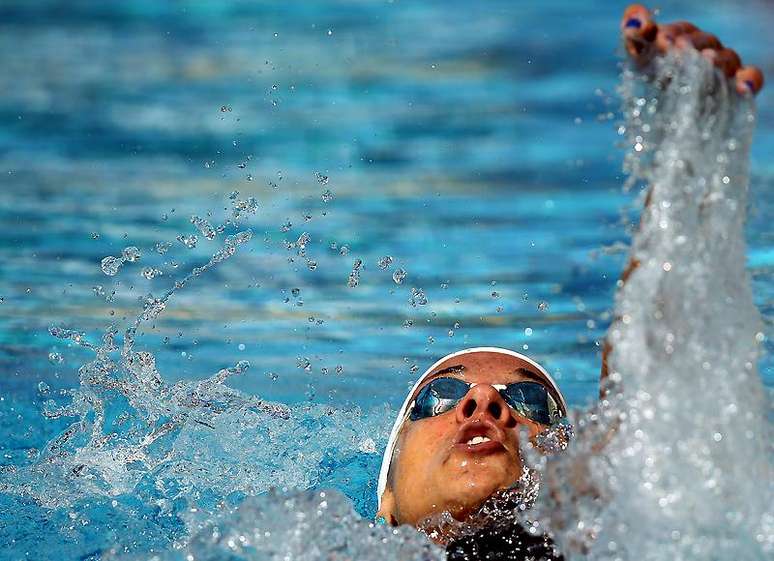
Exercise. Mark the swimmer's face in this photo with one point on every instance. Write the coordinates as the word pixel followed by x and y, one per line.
pixel 436 469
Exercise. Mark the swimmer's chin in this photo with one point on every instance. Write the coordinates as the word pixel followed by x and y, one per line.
pixel 469 491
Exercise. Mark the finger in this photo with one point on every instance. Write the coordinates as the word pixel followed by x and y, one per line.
pixel 668 33
pixel 699 40
pixel 749 80
pixel 728 62
pixel 639 30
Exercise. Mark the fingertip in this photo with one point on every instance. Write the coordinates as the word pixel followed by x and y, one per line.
pixel 749 80
pixel 637 23
pixel 635 17
pixel 639 31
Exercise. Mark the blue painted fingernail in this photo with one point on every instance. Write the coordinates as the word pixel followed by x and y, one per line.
pixel 633 22
pixel 380 521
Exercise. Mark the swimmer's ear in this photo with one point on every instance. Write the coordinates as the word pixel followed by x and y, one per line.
pixel 387 508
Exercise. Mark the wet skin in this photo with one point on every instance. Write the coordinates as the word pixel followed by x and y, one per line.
pixel 644 39
pixel 435 469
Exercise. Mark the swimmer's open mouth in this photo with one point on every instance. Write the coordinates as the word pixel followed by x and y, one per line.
pixel 479 437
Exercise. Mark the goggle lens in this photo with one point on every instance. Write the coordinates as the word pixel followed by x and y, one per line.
pixel 528 399
pixel 531 400
pixel 437 397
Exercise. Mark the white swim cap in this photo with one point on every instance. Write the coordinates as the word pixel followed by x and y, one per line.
pixel 401 418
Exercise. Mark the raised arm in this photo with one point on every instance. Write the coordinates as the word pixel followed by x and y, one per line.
pixel 644 40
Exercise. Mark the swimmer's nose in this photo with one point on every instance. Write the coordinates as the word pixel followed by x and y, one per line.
pixel 485 402
pixel 638 29
pixel 749 80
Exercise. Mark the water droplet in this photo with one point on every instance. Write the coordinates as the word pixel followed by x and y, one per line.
pixel 354 275
pixel 495 294
pixel 55 358
pixel 43 388
pixel 204 227
pixel 417 297
pixel 303 240
pixel 321 179
pixel 162 247
pixel 152 307
pixel 225 108
pixel 384 262
pixel 286 226
pixel 188 241
pixel 327 196
pixel 130 254
pixel 311 265
pixel 398 276
pixel 542 306
pixel 110 265
pixel 241 346
pixel 528 331
pixel 367 446
pixel 151 273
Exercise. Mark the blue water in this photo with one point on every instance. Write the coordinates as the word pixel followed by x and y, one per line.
pixel 475 143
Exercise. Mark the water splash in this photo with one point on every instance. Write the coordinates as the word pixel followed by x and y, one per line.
pixel 191 450
pixel 676 462
pixel 304 526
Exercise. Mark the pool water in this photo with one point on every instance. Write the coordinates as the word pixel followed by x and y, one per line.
pixel 471 146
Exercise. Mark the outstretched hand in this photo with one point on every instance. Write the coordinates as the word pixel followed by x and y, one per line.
pixel 645 39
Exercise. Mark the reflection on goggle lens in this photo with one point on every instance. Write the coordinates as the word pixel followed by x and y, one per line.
pixel 529 399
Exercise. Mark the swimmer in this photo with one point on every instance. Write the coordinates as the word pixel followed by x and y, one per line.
pixel 456 445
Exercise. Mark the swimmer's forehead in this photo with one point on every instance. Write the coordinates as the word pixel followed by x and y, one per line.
pixel 486 368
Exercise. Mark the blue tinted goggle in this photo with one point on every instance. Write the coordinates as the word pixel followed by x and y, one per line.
pixel 529 399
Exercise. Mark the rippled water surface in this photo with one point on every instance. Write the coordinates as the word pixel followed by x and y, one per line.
pixel 472 143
